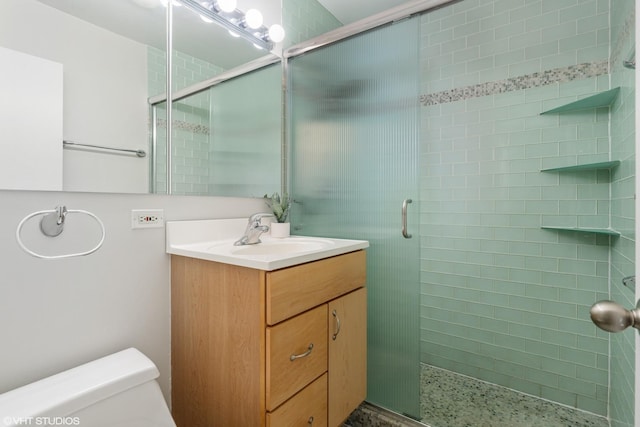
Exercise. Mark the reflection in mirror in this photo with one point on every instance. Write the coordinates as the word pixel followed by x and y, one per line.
pixel 102 96
pixel 111 60
pixel 226 140
pixel 111 56
pixel 226 134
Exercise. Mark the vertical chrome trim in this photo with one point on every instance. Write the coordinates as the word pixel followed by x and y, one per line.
pixel 285 154
pixel 405 204
pixel 153 167
pixel 168 89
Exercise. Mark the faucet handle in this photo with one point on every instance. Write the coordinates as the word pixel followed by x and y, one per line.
pixel 256 217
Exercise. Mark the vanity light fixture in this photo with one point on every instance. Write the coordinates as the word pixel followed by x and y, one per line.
pixel 248 25
pixel 226 5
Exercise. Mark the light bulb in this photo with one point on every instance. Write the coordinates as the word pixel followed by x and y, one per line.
pixel 227 5
pixel 276 33
pixel 205 19
pixel 233 34
pixel 253 18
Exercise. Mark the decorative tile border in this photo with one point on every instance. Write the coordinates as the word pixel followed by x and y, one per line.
pixel 182 125
pixel 556 75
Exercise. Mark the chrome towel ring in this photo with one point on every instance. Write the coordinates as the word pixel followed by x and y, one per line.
pixel 52 224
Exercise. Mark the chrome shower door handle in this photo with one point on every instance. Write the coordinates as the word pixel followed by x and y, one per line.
pixel 405 204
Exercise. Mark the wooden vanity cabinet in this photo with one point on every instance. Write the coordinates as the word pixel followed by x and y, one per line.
pixel 268 348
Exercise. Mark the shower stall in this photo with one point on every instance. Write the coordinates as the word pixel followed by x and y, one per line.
pixel 487 152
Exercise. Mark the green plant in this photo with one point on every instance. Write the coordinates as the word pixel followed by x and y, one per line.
pixel 279 205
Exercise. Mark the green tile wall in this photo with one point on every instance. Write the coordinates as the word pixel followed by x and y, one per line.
pixel 623 208
pixel 503 300
pixel 305 19
pixel 190 137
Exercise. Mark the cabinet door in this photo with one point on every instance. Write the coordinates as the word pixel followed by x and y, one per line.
pixel 347 355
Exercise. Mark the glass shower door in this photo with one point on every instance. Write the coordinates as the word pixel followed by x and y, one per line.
pixel 354 160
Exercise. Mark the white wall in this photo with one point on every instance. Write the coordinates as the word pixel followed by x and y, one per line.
pixel 31 89
pixel 56 314
pixel 105 92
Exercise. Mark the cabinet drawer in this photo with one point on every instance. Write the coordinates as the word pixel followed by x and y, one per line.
pixel 295 289
pixel 291 363
pixel 310 404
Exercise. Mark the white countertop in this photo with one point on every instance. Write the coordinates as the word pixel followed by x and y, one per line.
pixel 212 240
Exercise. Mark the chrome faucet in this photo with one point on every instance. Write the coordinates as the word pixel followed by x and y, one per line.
pixel 254 230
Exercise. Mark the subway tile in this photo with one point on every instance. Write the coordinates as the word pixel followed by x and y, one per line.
pixel 578 357
pixel 560 396
pixel 596 406
pixel 509 30
pixel 597 345
pixel 541 377
pixel 541 348
pixel 524 276
pixel 542 20
pixel 557 4
pixel 559 309
pixel 525 331
pixel 524 303
pixel 542 50
pixel 580 387
pixel 581 10
pixel 558 367
pixel 560 60
pixel 561 338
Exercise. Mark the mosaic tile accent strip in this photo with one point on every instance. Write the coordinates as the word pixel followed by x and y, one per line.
pixel 556 75
pixel 182 125
pixel 453 400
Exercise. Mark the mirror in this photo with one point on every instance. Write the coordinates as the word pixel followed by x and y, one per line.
pixel 108 58
pixel 226 139
pixel 99 62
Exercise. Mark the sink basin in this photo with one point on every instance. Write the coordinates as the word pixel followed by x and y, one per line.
pixel 213 240
pixel 282 246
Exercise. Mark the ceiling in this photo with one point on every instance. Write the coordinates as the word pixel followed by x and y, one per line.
pixel 144 21
pixel 348 11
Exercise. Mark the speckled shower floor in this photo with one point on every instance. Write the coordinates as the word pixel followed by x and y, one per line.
pixel 452 400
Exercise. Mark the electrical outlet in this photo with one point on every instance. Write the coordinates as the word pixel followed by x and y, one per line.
pixel 147 218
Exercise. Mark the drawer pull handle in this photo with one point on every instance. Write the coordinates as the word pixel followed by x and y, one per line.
pixel 310 422
pixel 335 314
pixel 305 354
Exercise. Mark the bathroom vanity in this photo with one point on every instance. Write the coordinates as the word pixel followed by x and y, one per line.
pixel 268 346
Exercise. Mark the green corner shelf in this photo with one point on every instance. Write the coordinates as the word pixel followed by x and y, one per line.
pixel 602 99
pixel 587 166
pixel 606 231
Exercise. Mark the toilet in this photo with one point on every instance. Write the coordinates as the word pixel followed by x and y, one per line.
pixel 116 390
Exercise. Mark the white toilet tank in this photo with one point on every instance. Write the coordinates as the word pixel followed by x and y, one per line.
pixel 116 390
